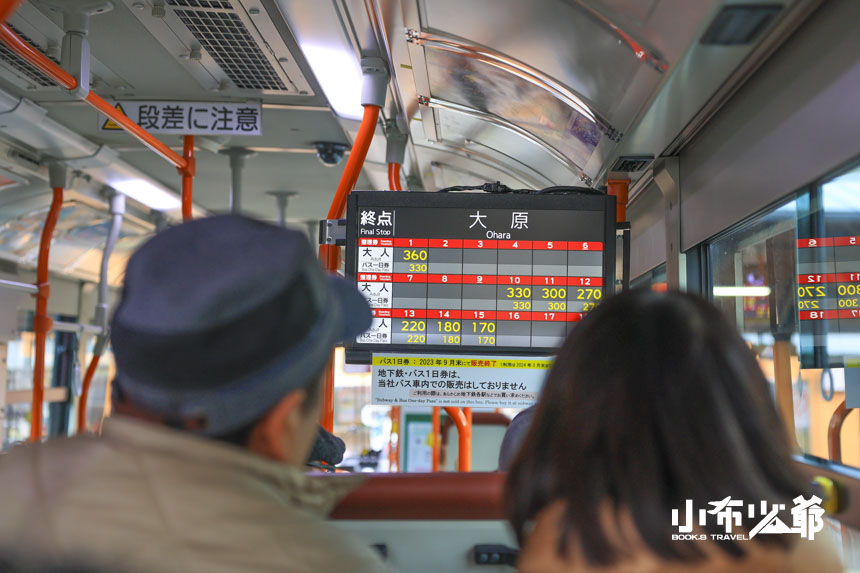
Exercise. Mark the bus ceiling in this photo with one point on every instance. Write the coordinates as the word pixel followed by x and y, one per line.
pixel 587 95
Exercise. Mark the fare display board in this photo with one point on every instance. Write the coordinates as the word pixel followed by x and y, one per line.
pixel 477 272
pixel 828 284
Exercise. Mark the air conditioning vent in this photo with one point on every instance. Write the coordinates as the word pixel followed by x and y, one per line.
pixel 224 4
pixel 739 24
pixel 632 163
pixel 224 36
pixel 21 67
pixel 231 46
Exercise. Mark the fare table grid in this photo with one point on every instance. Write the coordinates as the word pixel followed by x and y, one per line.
pixel 477 292
pixel 828 282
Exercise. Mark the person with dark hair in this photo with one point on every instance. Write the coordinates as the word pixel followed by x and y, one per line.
pixel 514 436
pixel 655 400
pixel 225 327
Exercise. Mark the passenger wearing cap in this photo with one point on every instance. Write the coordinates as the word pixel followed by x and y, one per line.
pixel 221 339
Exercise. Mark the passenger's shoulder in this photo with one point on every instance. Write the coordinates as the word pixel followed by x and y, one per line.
pixel 819 554
pixel 342 550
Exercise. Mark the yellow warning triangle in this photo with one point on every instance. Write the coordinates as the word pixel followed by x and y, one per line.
pixel 110 124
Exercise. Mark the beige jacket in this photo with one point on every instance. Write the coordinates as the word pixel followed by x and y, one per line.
pixel 539 554
pixel 147 498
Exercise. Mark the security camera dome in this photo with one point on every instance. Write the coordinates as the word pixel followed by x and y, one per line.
pixel 330 153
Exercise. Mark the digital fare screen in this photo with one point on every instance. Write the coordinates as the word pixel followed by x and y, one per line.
pixel 478 271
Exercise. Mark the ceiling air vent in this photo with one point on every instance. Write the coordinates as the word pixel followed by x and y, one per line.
pixel 21 67
pixel 632 163
pixel 739 24
pixel 225 4
pixel 236 43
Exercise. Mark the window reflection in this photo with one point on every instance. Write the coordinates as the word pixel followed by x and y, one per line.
pixel 756 271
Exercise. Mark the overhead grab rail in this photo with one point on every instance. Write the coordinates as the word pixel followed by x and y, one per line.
pixel 375 74
pixel 513 67
pixel 117 204
pixel 509 126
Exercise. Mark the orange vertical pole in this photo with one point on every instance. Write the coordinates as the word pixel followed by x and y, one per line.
pixel 394 447
pixel 834 432
pixel 784 392
pixel 394 177
pixel 330 254
pixel 463 420
pixel 42 323
pixel 465 447
pixel 187 173
pixel 85 393
pixel 436 439
pixel 620 189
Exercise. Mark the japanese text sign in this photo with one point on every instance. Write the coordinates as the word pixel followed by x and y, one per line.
pixel 190 118
pixel 480 381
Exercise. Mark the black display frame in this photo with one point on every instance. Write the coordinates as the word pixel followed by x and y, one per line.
pixel 361 352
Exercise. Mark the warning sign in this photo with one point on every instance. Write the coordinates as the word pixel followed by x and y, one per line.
pixel 111 125
pixel 190 118
pixel 478 381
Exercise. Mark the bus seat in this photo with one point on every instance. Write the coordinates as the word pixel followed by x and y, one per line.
pixel 412 517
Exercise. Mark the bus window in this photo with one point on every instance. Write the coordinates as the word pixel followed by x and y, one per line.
pixel 655 279
pixel 785 279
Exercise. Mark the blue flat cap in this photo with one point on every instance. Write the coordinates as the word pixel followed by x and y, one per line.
pixel 222 317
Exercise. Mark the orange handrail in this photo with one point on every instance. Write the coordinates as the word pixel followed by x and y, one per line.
pixel 463 420
pixel 834 432
pixel 394 177
pixel 135 130
pixel 355 161
pixel 187 176
pixel 435 445
pixel 329 254
pixel 6 9
pixel 394 447
pixel 85 393
pixel 42 323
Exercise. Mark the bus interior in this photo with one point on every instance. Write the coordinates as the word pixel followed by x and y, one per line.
pixel 727 132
